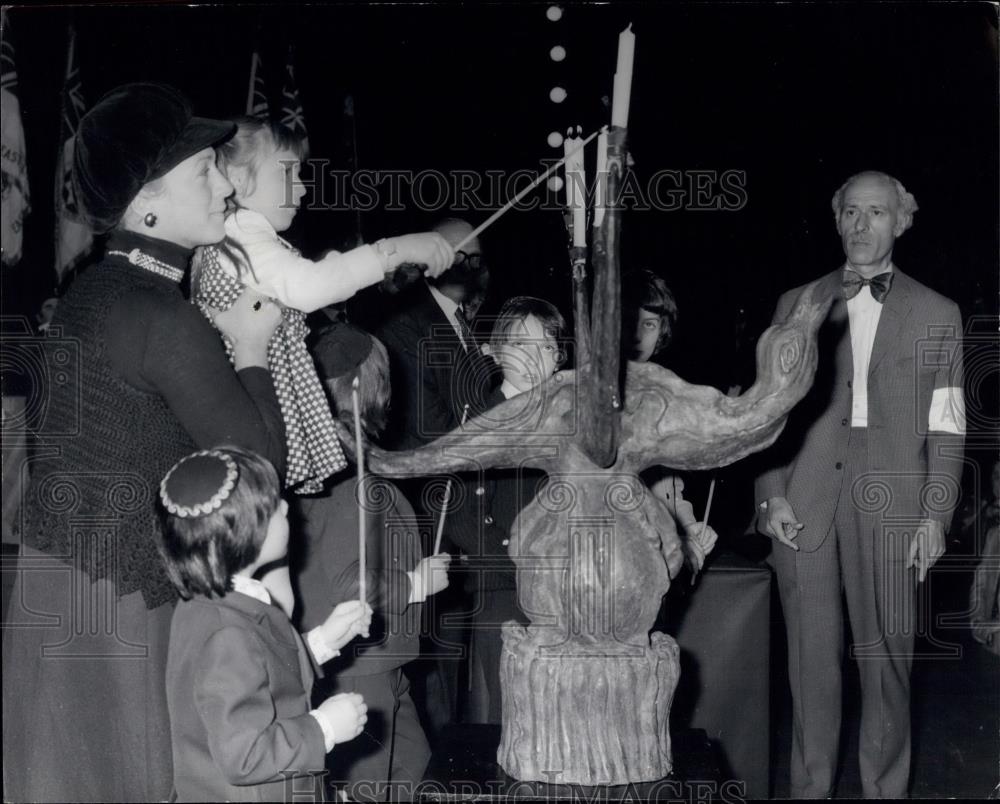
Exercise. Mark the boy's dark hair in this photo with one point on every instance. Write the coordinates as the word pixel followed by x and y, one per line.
pixel 202 553
pixel 517 309
pixel 644 290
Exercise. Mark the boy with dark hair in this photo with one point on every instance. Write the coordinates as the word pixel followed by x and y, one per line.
pixel 238 675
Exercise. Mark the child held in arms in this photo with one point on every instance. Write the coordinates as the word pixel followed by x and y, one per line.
pixel 390 757
pixel 262 161
pixel 238 674
pixel 649 316
pixel 526 342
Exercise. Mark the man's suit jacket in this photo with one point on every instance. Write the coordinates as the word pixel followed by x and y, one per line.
pixel 433 376
pixel 238 686
pixel 917 349
pixel 482 524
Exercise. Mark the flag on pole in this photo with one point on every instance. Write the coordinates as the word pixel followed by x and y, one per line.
pixel 256 94
pixel 73 236
pixel 15 197
pixel 291 106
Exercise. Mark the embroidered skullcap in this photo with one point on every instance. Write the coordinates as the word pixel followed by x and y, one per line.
pixel 198 484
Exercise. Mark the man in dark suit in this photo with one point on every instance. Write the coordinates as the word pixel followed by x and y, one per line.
pixel 437 369
pixel 860 488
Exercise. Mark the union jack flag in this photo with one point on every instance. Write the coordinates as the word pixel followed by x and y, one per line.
pixel 257 105
pixel 291 107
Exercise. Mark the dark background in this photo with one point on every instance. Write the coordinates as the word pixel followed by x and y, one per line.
pixel 797 96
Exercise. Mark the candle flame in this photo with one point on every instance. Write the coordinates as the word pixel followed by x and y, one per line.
pixel 356 384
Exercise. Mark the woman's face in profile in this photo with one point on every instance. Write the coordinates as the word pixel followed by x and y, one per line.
pixel 190 205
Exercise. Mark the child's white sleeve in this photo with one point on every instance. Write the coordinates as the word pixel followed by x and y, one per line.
pixel 293 280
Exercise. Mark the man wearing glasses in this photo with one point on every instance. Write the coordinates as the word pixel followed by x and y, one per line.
pixel 437 367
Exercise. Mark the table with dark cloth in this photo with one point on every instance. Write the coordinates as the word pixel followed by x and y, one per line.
pixel 722 625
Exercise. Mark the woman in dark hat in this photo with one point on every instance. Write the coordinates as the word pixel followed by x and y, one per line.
pixel 138 380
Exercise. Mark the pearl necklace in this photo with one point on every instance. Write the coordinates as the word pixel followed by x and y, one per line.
pixel 151 264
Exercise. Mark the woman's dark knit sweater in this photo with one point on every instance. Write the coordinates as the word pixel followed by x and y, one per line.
pixel 140 381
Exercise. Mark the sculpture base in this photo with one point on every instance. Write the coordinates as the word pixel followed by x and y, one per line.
pixel 588 714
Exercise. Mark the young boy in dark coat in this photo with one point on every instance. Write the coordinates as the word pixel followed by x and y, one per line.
pixel 238 674
pixel 391 755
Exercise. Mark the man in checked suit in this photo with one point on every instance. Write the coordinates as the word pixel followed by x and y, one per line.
pixel 860 488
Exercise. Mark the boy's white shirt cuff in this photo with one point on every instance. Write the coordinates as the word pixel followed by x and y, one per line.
pixel 947 414
pixel 329 738
pixel 321 652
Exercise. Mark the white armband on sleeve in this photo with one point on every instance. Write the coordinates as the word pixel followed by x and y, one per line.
pixel 321 652
pixel 329 738
pixel 947 411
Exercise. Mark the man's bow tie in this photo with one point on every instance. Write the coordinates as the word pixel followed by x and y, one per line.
pixel 880 284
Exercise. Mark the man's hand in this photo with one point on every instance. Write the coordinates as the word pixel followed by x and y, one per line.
pixel 779 522
pixel 926 548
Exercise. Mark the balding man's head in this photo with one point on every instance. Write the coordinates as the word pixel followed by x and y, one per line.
pixel 906 204
pixel 467 277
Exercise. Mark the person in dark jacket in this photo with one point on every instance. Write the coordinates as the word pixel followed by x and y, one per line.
pixel 390 757
pixel 238 676
pixel 526 344
pixel 137 378
pixel 437 369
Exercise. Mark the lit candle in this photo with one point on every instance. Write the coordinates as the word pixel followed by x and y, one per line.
pixel 601 193
pixel 576 188
pixel 623 78
pixel 362 524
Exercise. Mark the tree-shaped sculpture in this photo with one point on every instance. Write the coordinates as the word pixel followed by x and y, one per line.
pixel 586 690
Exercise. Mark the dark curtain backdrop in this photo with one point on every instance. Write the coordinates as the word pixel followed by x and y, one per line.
pixel 797 96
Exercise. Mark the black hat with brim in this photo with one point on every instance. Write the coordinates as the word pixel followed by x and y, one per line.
pixel 133 135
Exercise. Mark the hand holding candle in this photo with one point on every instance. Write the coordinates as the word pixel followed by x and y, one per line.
pixel 362 521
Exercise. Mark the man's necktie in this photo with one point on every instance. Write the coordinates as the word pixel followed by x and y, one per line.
pixel 468 339
pixel 880 285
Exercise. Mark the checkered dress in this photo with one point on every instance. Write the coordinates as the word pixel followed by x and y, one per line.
pixel 314 452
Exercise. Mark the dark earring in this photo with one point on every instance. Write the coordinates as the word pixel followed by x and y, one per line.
pixel 149 220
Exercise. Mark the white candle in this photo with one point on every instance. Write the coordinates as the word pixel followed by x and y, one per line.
pixel 601 194
pixel 362 524
pixel 623 78
pixel 576 188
